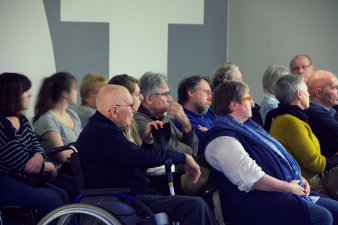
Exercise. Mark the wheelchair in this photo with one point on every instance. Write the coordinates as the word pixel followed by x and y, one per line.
pixel 100 206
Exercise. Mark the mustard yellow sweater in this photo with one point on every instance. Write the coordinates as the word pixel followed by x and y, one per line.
pixel 297 138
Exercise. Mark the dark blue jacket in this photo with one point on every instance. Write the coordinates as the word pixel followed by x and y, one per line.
pixel 325 126
pixel 110 160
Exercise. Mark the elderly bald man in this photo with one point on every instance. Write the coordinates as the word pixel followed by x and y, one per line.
pixel 109 160
pixel 323 119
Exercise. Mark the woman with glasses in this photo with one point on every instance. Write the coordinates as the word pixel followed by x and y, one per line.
pixel 259 181
pixel 21 152
pixel 89 88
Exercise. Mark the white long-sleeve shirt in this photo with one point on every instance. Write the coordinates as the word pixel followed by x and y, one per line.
pixel 228 156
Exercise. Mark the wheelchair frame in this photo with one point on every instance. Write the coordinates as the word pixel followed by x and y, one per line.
pixel 98 203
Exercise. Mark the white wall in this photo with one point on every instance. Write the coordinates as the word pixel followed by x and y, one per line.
pixel 25 43
pixel 266 32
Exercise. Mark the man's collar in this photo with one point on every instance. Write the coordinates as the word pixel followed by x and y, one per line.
pixel 331 110
pixel 187 111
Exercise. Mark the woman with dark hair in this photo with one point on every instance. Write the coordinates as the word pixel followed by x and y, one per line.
pixel 259 181
pixel 59 124
pixel 54 120
pixel 21 152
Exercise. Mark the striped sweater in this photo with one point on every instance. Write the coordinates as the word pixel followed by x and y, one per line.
pixel 17 146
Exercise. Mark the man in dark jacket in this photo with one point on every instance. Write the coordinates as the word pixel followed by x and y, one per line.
pixel 110 160
pixel 323 119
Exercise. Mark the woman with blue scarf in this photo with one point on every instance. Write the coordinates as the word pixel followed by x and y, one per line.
pixel 259 182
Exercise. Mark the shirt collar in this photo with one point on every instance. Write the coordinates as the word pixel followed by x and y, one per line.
pixel 331 110
pixel 187 111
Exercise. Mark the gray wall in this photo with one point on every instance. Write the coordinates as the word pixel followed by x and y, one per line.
pixel 254 35
pixel 198 49
pixel 265 32
pixel 178 38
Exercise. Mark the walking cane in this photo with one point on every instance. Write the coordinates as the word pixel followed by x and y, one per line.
pixel 162 136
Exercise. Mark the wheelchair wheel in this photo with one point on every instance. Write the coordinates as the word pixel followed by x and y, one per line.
pixel 83 214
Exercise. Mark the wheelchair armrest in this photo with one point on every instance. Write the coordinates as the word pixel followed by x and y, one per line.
pixel 104 191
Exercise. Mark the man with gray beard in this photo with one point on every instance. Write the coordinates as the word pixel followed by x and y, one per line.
pixel 194 94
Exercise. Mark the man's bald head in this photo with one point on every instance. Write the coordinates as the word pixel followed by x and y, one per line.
pixel 111 95
pixel 323 88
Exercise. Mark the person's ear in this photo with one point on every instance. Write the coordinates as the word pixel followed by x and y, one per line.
pixel 270 89
pixel 233 106
pixel 299 94
pixel 65 94
pixel 148 99
pixel 190 93
pixel 114 111
pixel 318 92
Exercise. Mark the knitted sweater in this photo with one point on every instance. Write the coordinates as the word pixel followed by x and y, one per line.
pixel 297 138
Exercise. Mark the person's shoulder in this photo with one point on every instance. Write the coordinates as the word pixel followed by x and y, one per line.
pixel 44 117
pixel 72 113
pixel 24 121
pixel 288 123
pixel 4 122
pixel 287 118
pixel 316 108
pixel 140 116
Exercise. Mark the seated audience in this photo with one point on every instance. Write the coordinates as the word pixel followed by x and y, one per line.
pixel 21 152
pixel 194 94
pixel 269 80
pixel 290 127
pixel 89 88
pixel 117 162
pixel 323 119
pixel 259 182
pixel 301 65
pixel 229 71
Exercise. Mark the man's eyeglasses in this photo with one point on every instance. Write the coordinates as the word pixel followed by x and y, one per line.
pixel 246 98
pixel 300 67
pixel 166 94
pixel 131 106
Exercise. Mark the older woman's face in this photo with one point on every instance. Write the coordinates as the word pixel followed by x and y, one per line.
pixel 305 102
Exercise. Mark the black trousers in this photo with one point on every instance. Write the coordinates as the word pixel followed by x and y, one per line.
pixel 187 210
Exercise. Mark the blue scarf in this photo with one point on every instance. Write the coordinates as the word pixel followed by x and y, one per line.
pixel 259 136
